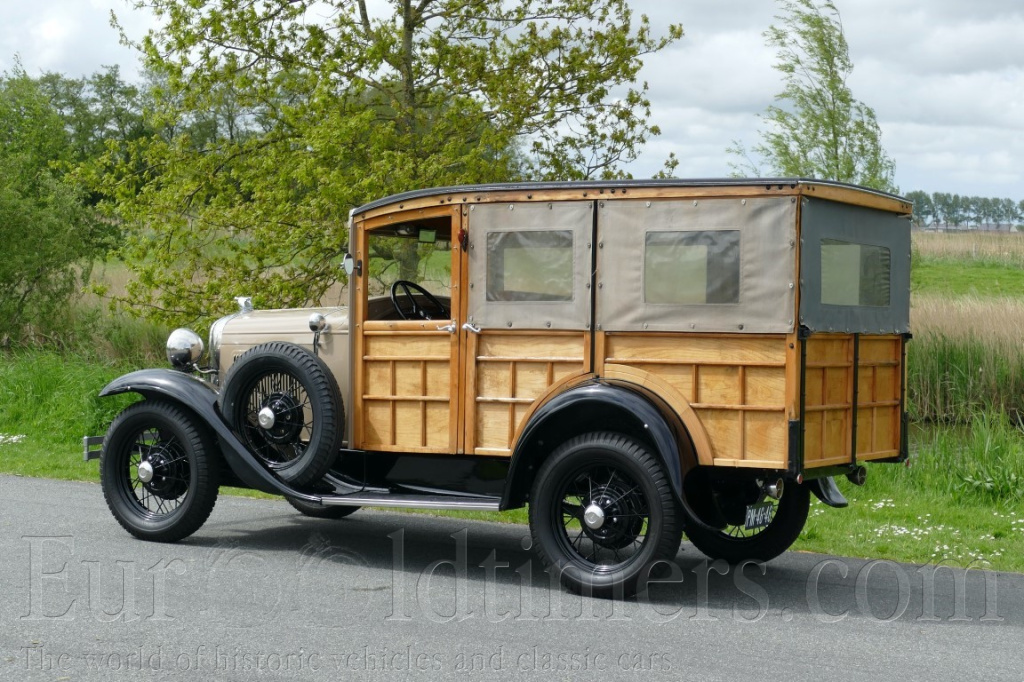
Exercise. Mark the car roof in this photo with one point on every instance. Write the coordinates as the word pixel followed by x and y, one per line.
pixel 614 186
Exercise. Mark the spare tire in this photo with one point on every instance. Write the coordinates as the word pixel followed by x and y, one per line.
pixel 284 404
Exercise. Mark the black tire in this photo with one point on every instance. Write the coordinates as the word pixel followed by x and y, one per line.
pixel 735 544
pixel 308 426
pixel 182 487
pixel 621 478
pixel 319 511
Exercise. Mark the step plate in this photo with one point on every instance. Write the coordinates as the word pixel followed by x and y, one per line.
pixel 415 502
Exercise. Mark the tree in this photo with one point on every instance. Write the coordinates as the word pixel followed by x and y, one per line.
pixel 49 235
pixel 924 208
pixel 819 129
pixel 335 109
pixel 96 110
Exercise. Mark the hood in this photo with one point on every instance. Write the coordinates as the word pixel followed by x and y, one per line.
pixel 286 321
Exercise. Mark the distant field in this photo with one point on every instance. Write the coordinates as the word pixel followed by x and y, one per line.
pixel 968 264
pixel 1006 248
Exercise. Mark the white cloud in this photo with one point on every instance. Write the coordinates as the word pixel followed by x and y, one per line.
pixel 945 77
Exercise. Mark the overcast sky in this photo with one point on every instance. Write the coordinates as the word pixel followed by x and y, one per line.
pixel 945 78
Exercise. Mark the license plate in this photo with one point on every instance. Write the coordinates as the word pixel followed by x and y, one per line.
pixel 759 515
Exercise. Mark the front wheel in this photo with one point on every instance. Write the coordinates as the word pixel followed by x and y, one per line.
pixel 602 514
pixel 735 543
pixel 157 477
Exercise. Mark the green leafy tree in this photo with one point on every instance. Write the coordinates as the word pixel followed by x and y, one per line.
pixel 924 208
pixel 818 129
pixel 331 109
pixel 96 110
pixel 48 234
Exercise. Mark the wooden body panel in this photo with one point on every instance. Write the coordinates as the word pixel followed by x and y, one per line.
pixel 734 384
pixel 828 401
pixel 744 390
pixel 417 388
pixel 508 372
pixel 408 377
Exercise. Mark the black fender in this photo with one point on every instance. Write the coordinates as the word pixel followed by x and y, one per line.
pixel 602 405
pixel 825 489
pixel 201 399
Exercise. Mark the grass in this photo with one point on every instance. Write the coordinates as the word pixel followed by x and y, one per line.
pixel 1002 248
pixel 950 278
pixel 48 403
pixel 974 264
pixel 959 502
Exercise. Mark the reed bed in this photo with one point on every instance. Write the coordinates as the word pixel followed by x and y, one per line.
pixel 967 357
pixel 1002 248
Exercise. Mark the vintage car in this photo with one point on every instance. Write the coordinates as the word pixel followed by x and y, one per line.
pixel 633 360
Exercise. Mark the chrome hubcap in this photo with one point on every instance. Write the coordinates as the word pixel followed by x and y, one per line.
pixel 145 472
pixel 267 418
pixel 594 517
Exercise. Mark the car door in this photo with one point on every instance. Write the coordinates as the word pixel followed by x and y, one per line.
pixel 406 371
pixel 528 313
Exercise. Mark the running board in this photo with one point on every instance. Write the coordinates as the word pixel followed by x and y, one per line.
pixel 414 502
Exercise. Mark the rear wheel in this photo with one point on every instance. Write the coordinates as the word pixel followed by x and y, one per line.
pixel 602 514
pixel 284 404
pixel 735 543
pixel 157 477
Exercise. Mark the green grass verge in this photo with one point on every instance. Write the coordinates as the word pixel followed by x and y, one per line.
pixel 966 278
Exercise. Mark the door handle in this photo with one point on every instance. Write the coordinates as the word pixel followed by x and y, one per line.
pixel 450 327
pixel 469 326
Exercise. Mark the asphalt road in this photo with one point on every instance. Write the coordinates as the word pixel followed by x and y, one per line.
pixel 262 593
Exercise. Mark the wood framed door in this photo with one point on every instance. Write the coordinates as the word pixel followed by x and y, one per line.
pixel 406 373
pixel 528 313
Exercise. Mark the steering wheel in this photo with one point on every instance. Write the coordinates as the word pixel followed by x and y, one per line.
pixel 414 310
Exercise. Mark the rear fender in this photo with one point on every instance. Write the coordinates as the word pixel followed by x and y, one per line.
pixel 602 406
pixel 201 399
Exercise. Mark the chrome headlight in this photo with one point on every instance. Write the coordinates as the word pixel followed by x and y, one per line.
pixel 184 348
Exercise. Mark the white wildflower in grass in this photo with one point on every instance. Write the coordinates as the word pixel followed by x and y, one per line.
pixel 895 531
pixel 8 439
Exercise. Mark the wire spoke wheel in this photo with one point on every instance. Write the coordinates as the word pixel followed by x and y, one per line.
pixel 602 514
pixel 734 542
pixel 284 396
pixel 162 461
pixel 605 516
pixel 155 470
pixel 285 406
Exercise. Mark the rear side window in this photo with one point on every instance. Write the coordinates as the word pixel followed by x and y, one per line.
pixel 854 274
pixel 687 268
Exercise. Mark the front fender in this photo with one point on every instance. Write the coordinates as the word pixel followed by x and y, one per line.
pixel 199 397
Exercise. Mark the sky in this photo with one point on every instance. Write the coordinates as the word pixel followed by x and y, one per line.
pixel 945 78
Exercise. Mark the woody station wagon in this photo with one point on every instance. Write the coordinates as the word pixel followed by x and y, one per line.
pixel 633 360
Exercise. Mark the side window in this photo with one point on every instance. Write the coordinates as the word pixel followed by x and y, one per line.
pixel 687 268
pixel 530 266
pixel 402 258
pixel 706 265
pixel 854 274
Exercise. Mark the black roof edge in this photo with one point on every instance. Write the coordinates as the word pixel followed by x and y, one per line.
pixel 780 183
